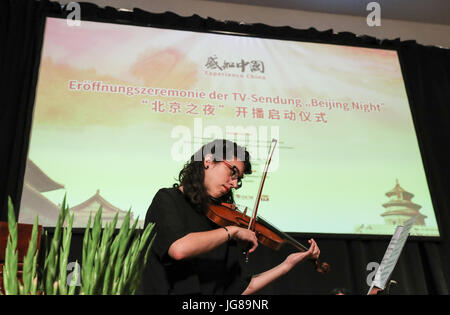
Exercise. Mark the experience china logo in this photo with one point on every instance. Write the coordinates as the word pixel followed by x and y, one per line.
pixel 252 69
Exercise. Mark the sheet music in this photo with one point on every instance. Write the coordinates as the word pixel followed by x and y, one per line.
pixel 392 254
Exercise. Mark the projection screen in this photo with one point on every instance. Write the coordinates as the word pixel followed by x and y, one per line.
pixel 119 109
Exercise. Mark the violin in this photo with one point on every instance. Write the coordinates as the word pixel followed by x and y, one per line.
pixel 227 214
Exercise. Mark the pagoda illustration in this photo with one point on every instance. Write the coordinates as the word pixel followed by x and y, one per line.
pixel 400 208
pixel 90 207
pixel 397 210
pixel 33 202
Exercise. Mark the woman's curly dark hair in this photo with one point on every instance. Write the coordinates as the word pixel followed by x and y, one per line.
pixel 192 175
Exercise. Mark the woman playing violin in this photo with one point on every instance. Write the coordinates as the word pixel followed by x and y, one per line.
pixel 191 254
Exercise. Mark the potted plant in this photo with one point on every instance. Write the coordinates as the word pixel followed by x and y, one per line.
pixel 112 263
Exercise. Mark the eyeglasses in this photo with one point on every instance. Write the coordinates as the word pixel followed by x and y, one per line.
pixel 235 174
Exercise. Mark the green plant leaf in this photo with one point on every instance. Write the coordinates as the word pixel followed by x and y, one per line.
pixel 11 256
pixel 29 265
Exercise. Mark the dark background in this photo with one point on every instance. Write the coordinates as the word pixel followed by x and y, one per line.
pixel 424 266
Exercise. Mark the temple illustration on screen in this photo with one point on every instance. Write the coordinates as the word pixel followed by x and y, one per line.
pixel 35 203
pixel 399 209
pixel 89 207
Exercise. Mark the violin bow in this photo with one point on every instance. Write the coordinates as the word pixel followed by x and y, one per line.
pixel 251 224
pixel 320 267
